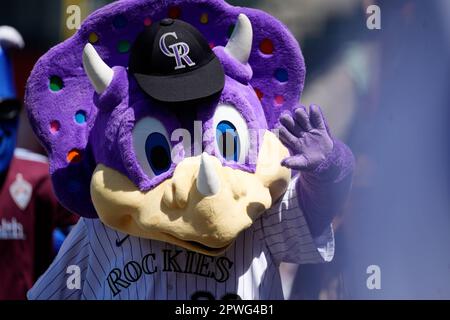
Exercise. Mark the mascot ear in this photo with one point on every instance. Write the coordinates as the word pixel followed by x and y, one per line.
pixel 98 72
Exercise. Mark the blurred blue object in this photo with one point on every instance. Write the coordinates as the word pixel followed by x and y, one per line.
pixel 10 38
pixel 58 238
pixel 7 89
pixel 401 218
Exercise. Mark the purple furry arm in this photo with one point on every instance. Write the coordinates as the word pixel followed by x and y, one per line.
pixel 323 192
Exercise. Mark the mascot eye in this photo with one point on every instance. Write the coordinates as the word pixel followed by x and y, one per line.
pixel 228 141
pixel 158 153
pixel 232 135
pixel 152 146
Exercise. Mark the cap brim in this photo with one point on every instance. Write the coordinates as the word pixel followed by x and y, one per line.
pixel 200 83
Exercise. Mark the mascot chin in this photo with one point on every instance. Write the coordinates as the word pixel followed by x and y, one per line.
pixel 174 129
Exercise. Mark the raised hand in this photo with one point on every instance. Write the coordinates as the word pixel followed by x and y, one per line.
pixel 306 136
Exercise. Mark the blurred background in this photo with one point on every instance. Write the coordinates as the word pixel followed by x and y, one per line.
pixel 386 94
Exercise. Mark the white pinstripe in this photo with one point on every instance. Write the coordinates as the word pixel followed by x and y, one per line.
pixel 280 235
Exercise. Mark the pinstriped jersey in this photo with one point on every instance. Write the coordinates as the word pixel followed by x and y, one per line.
pixel 113 265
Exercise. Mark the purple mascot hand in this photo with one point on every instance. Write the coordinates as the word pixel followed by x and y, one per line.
pixel 326 166
pixel 307 138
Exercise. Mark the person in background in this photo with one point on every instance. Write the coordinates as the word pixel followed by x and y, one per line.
pixel 29 211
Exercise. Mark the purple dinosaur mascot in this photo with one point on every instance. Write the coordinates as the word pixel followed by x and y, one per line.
pixel 165 215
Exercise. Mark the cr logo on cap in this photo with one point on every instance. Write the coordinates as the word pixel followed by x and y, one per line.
pixel 179 50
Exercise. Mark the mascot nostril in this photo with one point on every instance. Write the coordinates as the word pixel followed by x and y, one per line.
pixel 256 184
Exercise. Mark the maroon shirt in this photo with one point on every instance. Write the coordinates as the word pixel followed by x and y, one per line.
pixel 29 212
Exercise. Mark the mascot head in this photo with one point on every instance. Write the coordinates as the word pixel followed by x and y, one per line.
pixel 162 128
pixel 9 105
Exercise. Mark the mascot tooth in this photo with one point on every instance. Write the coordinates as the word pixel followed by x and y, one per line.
pixel 215 224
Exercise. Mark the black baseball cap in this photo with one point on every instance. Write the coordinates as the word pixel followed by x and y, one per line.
pixel 173 62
